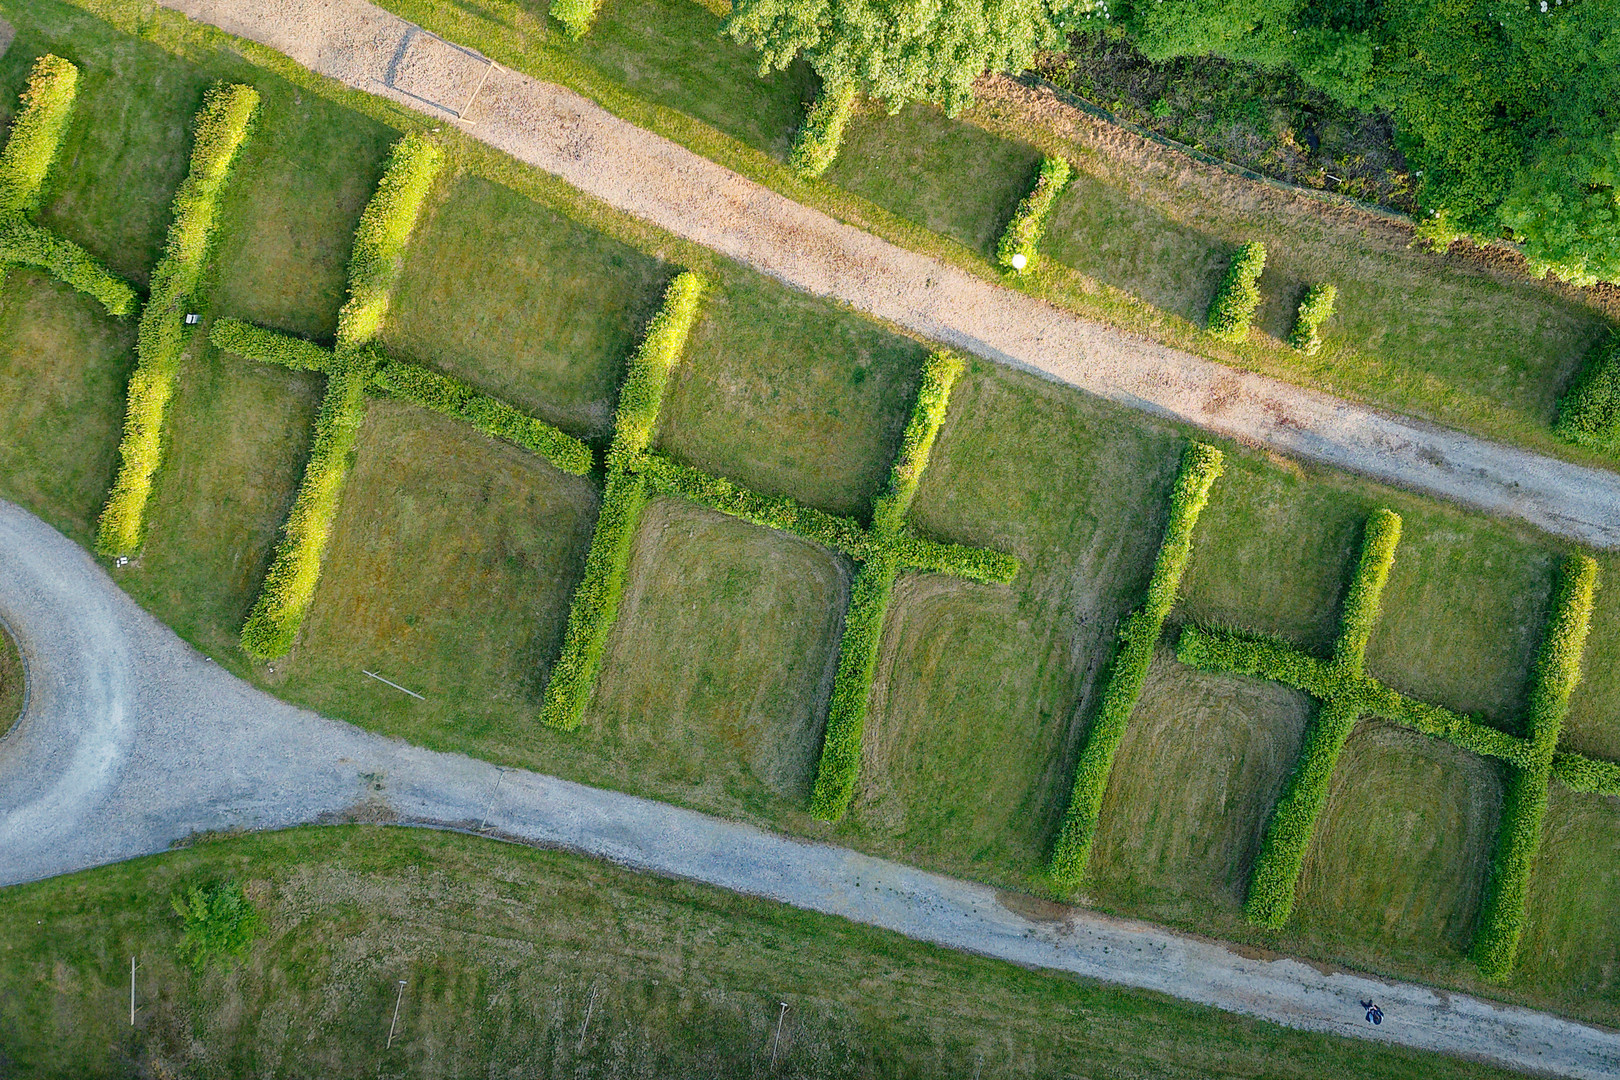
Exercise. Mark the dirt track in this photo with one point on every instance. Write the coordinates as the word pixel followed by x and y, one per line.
pixel 661 182
pixel 132 741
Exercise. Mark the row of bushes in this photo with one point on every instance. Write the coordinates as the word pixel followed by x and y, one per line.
pixel 667 477
pixel 379 240
pixel 374 267
pixel 269 346
pixel 595 606
pixel 1553 681
pixel 1201 465
pixel 1589 411
pixel 36 134
pixel 846 714
pixel 939 376
pixel 1231 312
pixel 576 16
pixel 221 127
pixel 22 244
pixel 1314 310
pixel 1028 224
pixel 454 398
pixel 1580 773
pixel 816 145
pixel 975 564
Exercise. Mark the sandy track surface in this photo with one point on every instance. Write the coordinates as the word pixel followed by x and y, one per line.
pixel 132 741
pixel 563 133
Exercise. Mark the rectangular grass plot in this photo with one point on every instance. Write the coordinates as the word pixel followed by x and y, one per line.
pixel 1572 935
pixel 716 678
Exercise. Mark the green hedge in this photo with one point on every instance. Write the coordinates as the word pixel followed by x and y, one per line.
pixel 1364 598
pixel 1314 310
pixel 22 244
pixel 380 238
pixel 1028 224
pixel 1589 411
pixel 36 134
pixel 442 394
pixel 1232 310
pixel 1584 774
pixel 641 396
pixel 576 16
pixel 816 145
pixel 221 127
pixel 269 346
pixel 1554 678
pixel 846 715
pixel 1201 465
pixel 667 477
pixel 958 560
pixel 939 375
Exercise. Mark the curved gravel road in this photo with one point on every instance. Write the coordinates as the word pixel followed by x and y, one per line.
pixel 628 167
pixel 132 740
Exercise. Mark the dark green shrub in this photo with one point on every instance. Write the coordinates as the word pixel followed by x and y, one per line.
pixel 816 145
pixel 1553 680
pixel 36 135
pixel 1200 467
pixel 1028 224
pixel 1589 411
pixel 269 346
pixel 1232 311
pixel 22 244
pixel 454 398
pixel 221 127
pixel 846 715
pixel 1584 774
pixel 939 375
pixel 218 922
pixel 1314 310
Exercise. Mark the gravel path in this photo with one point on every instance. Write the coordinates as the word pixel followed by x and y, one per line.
pixel 132 740
pixel 660 181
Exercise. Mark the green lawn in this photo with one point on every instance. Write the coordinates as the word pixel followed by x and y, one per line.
pixel 520 961
pixel 13 692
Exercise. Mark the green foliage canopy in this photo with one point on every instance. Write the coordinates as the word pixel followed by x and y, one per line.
pixel 217 922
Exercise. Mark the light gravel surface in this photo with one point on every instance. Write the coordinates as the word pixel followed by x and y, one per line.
pixel 132 741
pixel 628 167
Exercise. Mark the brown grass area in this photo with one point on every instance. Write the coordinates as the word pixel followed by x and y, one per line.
pixel 13 684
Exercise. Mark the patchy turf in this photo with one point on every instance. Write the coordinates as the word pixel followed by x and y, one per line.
pixel 13 682
pixel 1572 936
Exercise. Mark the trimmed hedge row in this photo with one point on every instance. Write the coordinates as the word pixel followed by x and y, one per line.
pixel 1556 674
pixel 846 715
pixel 1201 465
pixel 1580 773
pixel 641 396
pixel 667 477
pixel 454 398
pixel 269 346
pixel 939 376
pixel 1589 411
pixel 1364 598
pixel 816 145
pixel 36 134
pixel 379 240
pixel 1028 224
pixel 1314 310
pixel 221 127
pixel 1231 312
pixel 975 564
pixel 576 16
pixel 26 245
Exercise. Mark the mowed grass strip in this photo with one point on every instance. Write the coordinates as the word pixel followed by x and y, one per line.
pixel 13 682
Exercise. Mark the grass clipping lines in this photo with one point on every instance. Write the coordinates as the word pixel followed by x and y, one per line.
pixel 1201 466
pixel 221 127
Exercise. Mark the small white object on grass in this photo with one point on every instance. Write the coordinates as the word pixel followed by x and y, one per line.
pixel 1019 261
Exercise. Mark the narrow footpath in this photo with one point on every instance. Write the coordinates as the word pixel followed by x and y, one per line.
pixel 659 181
pixel 133 740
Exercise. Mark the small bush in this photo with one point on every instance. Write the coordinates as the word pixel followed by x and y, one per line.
pixel 641 396
pixel 816 145
pixel 221 127
pixel 22 244
pixel 218 922
pixel 36 135
pixel 666 477
pixel 1201 465
pixel 939 375
pixel 1364 599
pixel 1557 672
pixel 840 763
pixel 384 231
pixel 1028 224
pixel 576 16
pixel 454 398
pixel 1589 411
pixel 1314 310
pixel 958 560
pixel 1232 311
pixel 1584 774
pixel 269 346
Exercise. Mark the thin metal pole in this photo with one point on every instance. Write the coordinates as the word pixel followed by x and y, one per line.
pixel 777 1037
pixel 462 115
pixel 132 991
pixel 397 999
pixel 580 1049
pixel 395 685
pixel 500 775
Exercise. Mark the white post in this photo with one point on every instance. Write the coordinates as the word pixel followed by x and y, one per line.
pixel 777 1037
pixel 132 991
pixel 397 999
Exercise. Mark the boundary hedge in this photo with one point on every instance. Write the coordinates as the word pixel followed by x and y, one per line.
pixel 1314 310
pixel 1556 674
pixel 816 145
pixel 983 565
pixel 384 231
pixel 28 245
pixel 221 127
pixel 1588 775
pixel 269 346
pixel 1589 411
pixel 1028 225
pixel 595 605
pixel 1201 466
pixel 36 134
pixel 939 376
pixel 1231 312
pixel 667 477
